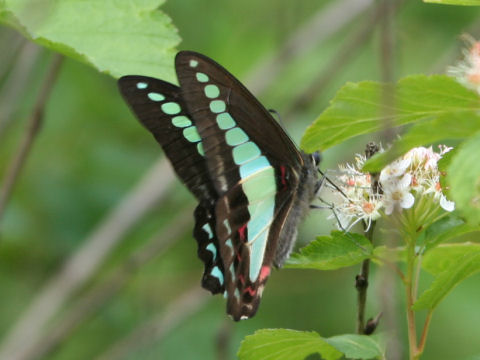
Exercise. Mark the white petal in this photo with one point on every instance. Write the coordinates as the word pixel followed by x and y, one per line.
pixel 407 201
pixel 446 205
pixel 389 208
pixel 405 182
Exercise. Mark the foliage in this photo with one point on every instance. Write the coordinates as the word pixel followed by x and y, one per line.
pixel 116 37
pixel 332 252
pixel 100 159
pixel 299 345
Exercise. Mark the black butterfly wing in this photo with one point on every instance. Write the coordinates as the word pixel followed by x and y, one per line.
pixel 255 169
pixel 161 109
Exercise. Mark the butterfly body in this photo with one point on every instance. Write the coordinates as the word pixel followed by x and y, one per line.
pixel 252 184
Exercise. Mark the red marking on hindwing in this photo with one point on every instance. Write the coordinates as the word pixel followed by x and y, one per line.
pixel 241 278
pixel 283 177
pixel 249 290
pixel 264 272
pixel 241 232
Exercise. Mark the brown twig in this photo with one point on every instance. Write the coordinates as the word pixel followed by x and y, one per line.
pixel 361 280
pixel 87 259
pixel 423 338
pixel 326 22
pixel 388 300
pixel 33 127
pixel 15 83
pixel 343 56
pixel 154 329
pixel 224 336
pixel 100 294
pixel 361 284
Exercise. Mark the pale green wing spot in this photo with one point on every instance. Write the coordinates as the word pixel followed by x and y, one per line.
pixel 230 245
pixel 208 229
pixel 225 294
pixel 260 189
pixel 245 152
pixel 217 106
pixel 254 166
pixel 142 85
pixel 236 136
pixel 261 217
pixel 171 108
pixel 181 121
pixel 218 274
pixel 237 294
pixel 210 247
pixel 200 149
pixel 211 91
pixel 232 270
pixel 201 77
pixel 227 225
pixel 225 121
pixel 193 63
pixel 191 134
pixel 156 96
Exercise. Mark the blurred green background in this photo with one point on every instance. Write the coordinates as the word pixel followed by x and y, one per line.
pixel 91 152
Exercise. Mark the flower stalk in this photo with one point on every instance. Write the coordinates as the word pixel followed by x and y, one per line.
pixel 406 194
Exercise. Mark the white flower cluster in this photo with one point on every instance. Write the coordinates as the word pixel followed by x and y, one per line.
pixel 401 184
pixel 467 71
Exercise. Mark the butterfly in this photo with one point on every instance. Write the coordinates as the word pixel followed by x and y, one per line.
pixel 252 184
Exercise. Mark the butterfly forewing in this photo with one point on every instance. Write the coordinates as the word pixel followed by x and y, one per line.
pixel 160 108
pixel 254 167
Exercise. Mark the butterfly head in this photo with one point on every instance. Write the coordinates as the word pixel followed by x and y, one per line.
pixel 316 158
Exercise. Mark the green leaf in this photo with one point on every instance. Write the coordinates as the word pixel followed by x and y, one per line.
pixel 445 230
pixel 332 252
pixel 463 177
pixel 395 254
pixel 443 165
pixel 450 126
pixel 115 37
pixel 455 2
pixel 358 346
pixel 446 256
pixel 457 270
pixel 360 108
pixel 284 344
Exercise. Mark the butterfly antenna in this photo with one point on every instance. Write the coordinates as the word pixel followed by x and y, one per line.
pixel 331 207
pixel 335 186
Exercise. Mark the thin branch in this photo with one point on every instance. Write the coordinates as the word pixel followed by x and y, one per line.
pixel 324 24
pixel 337 63
pixel 388 298
pixel 423 338
pixel 153 330
pixel 224 337
pixel 11 42
pixel 33 127
pixel 99 295
pixel 361 284
pixel 87 259
pixel 16 83
pixel 361 280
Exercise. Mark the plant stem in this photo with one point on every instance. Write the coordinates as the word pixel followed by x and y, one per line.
pixel 409 288
pixel 361 284
pixel 33 127
pixel 423 338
